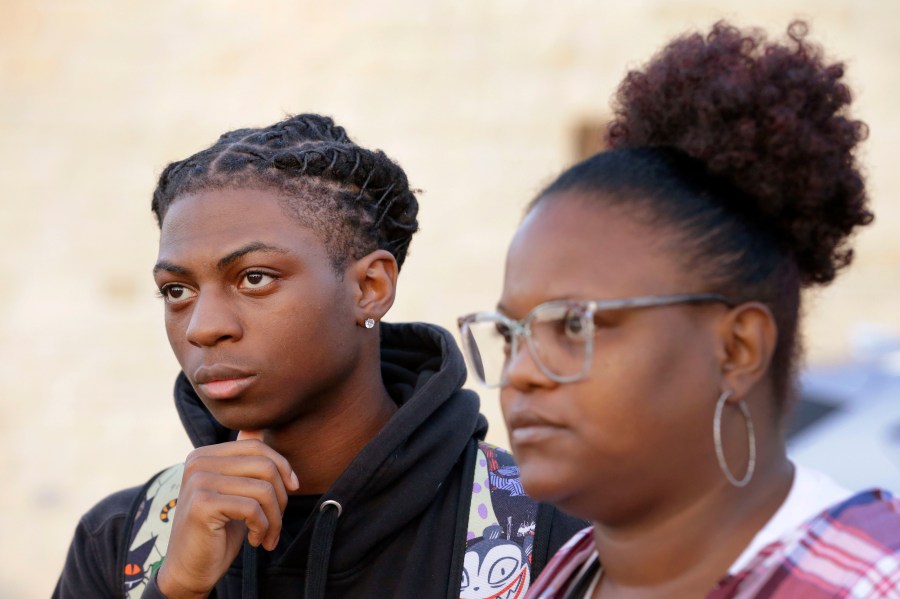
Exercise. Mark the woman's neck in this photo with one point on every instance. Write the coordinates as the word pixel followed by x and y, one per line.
pixel 687 552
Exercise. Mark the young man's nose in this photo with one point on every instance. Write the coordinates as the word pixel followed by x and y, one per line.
pixel 212 321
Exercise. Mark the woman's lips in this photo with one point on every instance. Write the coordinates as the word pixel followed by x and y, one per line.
pixel 526 427
pixel 532 434
pixel 226 388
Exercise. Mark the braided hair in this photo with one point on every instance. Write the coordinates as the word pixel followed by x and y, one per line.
pixel 357 200
pixel 742 150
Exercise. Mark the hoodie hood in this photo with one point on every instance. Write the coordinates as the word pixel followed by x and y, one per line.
pixel 401 470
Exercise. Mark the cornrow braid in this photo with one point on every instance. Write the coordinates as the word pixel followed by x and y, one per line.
pixel 359 200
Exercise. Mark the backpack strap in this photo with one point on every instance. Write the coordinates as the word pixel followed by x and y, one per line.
pixel 541 553
pixel 150 524
pixel 501 529
pixel 501 524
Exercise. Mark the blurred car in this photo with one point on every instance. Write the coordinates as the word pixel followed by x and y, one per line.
pixel 847 420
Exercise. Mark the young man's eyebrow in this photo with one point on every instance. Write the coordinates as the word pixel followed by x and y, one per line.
pixel 226 261
pixel 255 246
pixel 169 267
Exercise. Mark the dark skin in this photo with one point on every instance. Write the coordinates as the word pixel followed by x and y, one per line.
pixel 272 339
pixel 630 446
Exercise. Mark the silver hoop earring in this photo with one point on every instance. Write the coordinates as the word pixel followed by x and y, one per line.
pixel 369 323
pixel 717 438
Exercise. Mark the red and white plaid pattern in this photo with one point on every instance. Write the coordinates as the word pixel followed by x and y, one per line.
pixel 852 550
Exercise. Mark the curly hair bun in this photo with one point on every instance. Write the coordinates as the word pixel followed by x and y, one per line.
pixel 768 117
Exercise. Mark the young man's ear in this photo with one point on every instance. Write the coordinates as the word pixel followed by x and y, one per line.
pixel 748 336
pixel 374 280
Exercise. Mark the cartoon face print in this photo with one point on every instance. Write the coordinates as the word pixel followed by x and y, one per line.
pixel 495 568
pixel 135 573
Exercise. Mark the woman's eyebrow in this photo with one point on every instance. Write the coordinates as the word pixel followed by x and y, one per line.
pixel 254 246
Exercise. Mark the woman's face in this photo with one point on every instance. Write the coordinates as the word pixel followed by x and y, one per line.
pixel 636 433
pixel 261 324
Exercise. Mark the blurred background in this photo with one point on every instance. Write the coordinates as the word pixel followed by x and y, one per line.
pixel 481 102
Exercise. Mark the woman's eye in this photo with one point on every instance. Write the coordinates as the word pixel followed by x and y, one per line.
pixel 504 332
pixel 575 325
pixel 176 294
pixel 255 280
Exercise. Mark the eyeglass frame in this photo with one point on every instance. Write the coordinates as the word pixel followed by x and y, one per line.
pixel 522 327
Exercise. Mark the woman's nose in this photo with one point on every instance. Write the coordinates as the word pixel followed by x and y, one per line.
pixel 522 371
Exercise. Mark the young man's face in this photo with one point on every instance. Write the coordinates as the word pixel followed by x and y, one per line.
pixel 260 322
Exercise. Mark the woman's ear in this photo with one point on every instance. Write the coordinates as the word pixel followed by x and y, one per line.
pixel 748 334
pixel 374 280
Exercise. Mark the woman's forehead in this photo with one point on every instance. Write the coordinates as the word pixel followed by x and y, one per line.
pixel 567 247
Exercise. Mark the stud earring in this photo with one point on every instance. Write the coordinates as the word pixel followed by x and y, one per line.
pixel 370 323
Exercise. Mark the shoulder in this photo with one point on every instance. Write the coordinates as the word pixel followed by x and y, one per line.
pixel 864 527
pixel 863 536
pixel 874 513
pixel 92 564
pixel 851 549
pixel 110 513
pixel 109 548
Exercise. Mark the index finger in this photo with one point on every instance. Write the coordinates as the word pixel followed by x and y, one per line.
pixel 254 439
pixel 243 435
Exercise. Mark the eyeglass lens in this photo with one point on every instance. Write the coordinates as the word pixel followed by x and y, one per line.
pixel 559 342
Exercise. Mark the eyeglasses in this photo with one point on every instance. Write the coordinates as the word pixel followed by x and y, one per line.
pixel 559 335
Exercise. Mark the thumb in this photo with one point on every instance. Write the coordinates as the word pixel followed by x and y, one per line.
pixel 242 435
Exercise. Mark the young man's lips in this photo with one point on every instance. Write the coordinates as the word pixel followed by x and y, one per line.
pixel 226 388
pixel 220 381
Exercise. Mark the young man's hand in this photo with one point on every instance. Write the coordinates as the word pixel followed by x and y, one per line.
pixel 229 491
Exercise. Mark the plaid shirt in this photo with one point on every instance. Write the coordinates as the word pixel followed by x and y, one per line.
pixel 851 550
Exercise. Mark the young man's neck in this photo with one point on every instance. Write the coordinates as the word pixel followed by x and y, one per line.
pixel 320 446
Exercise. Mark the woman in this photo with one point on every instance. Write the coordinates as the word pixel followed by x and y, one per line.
pixel 646 338
pixel 353 472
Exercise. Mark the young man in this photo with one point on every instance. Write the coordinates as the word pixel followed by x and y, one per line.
pixel 336 456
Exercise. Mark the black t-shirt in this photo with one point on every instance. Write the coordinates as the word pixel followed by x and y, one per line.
pixel 298 509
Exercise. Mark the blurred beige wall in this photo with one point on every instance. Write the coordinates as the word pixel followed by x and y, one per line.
pixel 479 101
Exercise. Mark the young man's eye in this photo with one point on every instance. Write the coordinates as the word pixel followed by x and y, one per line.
pixel 176 294
pixel 256 279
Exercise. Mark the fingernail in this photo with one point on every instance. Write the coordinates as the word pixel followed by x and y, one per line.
pixel 243 435
pixel 295 482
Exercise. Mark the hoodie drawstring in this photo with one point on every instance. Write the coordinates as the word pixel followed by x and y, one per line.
pixel 316 564
pixel 250 572
pixel 320 549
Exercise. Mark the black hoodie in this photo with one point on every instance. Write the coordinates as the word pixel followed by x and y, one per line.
pixel 404 498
